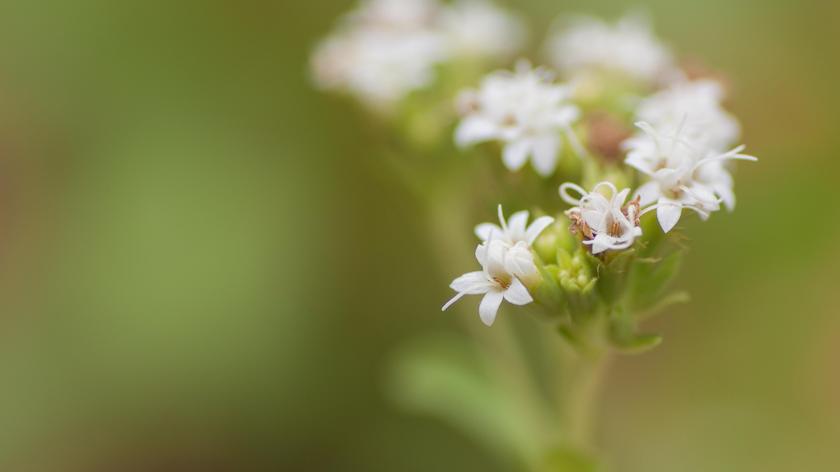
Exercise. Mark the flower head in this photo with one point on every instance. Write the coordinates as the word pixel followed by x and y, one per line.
pixel 386 49
pixel 684 173
pixel 525 110
pixel 498 280
pixel 479 28
pixel 694 108
pixel 515 229
pixel 603 219
pixel 377 66
pixel 627 47
pixel 507 264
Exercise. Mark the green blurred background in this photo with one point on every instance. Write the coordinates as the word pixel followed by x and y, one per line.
pixel 200 270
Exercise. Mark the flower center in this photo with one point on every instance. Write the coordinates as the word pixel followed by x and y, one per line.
pixel 614 227
pixel 503 282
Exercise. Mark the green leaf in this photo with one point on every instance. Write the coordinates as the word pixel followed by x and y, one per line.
pixel 638 344
pixel 650 280
pixel 444 376
pixel 670 299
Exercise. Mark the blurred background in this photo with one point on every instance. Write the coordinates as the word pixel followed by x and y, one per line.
pixel 200 269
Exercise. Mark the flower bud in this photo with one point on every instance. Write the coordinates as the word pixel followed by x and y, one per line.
pixel 553 238
pixel 574 271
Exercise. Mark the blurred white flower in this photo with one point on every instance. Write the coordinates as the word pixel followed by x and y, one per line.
pixel 381 51
pixel 683 173
pixel 515 229
pixel 495 281
pixel 587 44
pixel 480 28
pixel 603 218
pixel 525 110
pixel 695 109
pixel 377 66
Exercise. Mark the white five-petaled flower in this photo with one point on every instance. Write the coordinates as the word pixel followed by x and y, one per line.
pixel 684 173
pixel 526 111
pixel 480 28
pixel 378 66
pixel 514 229
pixel 588 44
pixel 694 108
pixel 507 264
pixel 496 281
pixel 604 221
pixel 386 49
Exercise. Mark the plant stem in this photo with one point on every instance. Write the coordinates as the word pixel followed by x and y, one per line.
pixel 581 399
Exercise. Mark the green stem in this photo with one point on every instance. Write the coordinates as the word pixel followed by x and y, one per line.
pixel 582 398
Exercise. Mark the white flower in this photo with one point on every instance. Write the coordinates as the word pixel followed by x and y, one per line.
pixel 381 51
pixel 695 109
pixel 603 219
pixel 524 110
pixel 495 281
pixel 515 229
pixel 480 28
pixel 378 66
pixel 629 47
pixel 683 174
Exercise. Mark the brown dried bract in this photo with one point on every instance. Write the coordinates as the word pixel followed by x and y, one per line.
pixel 606 133
pixel 578 226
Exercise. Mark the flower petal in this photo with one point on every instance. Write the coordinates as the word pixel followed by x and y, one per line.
pixel 537 227
pixel 516 153
pixel 648 193
pixel 485 230
pixel 517 293
pixel 668 215
pixel 727 195
pixel 490 306
pixel 544 159
pixel 519 261
pixel 471 283
pixel 601 243
pixel 517 224
pixel 475 129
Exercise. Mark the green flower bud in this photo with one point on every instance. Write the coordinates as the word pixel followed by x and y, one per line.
pixel 574 272
pixel 555 237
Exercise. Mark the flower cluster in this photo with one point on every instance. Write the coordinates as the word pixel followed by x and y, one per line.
pixel 525 110
pixel 679 159
pixel 612 119
pixel 386 49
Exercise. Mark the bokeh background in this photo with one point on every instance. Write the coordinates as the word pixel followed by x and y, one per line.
pixel 200 269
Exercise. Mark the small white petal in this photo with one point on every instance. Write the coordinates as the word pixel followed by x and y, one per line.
pixel 601 243
pixel 727 195
pixel 519 261
pixel 471 283
pixel 516 153
pixel 490 306
pixel 648 193
pixel 517 223
pixel 475 129
pixel 621 196
pixel 545 154
pixel 518 294
pixel 668 215
pixel 537 227
pixel 484 230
